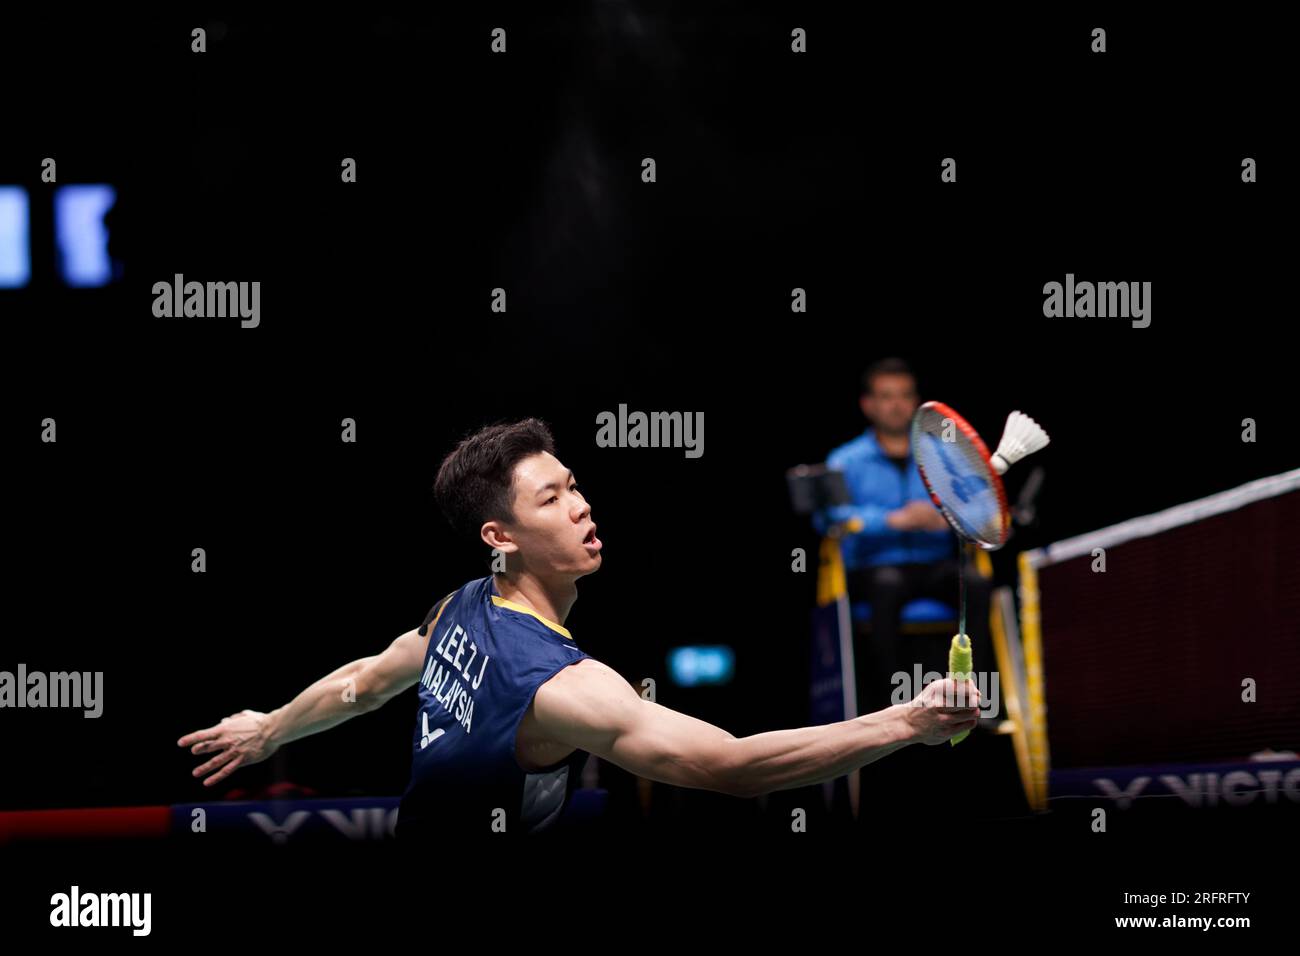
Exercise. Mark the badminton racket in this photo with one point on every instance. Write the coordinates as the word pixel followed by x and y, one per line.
pixel 965 483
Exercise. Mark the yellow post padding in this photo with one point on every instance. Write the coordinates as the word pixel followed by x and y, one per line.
pixel 1036 712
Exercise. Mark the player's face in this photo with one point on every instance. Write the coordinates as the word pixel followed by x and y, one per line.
pixel 553 525
pixel 891 403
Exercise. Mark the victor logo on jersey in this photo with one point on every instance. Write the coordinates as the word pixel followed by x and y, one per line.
pixel 426 737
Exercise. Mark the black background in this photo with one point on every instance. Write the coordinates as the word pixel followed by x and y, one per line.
pixel 522 171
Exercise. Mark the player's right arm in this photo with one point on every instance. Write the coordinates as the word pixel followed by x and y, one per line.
pixel 355 688
pixel 590 707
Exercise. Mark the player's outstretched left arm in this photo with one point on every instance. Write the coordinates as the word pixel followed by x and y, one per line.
pixel 357 687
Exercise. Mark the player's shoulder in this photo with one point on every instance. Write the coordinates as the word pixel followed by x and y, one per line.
pixel 586 694
pixel 584 671
pixel 586 679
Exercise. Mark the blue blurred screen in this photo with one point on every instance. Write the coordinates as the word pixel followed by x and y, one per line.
pixel 711 664
pixel 15 242
pixel 81 235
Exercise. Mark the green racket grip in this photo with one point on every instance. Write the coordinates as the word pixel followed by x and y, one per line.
pixel 960 668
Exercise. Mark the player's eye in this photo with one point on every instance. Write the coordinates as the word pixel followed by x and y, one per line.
pixel 557 497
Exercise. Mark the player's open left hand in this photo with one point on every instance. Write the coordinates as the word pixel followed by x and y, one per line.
pixel 239 740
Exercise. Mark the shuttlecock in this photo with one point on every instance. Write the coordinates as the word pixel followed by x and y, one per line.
pixel 1022 436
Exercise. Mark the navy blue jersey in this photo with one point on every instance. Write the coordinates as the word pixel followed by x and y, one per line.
pixel 485 659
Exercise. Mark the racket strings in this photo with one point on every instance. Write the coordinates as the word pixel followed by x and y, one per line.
pixel 959 477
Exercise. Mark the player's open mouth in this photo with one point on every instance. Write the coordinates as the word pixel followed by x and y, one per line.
pixel 591 541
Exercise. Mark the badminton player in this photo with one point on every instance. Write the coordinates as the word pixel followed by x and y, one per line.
pixel 509 704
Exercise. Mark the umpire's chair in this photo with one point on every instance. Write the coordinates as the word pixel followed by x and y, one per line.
pixel 922 616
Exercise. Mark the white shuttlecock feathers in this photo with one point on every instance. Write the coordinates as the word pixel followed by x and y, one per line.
pixel 1022 436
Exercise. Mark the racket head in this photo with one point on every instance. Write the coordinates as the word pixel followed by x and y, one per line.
pixel 960 477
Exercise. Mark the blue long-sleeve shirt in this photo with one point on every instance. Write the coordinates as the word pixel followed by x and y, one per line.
pixel 878 486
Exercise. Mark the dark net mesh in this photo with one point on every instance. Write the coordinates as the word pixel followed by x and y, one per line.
pixel 1145 663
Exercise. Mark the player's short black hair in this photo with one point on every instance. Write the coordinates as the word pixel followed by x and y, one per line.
pixel 885 366
pixel 475 482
